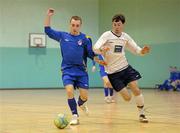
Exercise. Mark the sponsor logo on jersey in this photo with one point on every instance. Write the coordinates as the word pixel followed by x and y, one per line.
pixel 118 49
pixel 66 40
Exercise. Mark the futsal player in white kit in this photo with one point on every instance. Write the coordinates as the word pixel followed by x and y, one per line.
pixel 112 45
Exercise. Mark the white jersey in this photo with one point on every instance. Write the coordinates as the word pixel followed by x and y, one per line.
pixel 115 57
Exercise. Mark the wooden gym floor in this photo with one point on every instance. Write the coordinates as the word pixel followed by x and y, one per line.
pixel 33 111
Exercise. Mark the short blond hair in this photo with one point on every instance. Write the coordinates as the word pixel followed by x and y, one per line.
pixel 76 18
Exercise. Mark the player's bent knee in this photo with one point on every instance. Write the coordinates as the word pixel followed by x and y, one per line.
pixel 84 98
pixel 70 94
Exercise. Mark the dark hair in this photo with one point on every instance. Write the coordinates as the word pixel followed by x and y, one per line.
pixel 118 17
pixel 76 18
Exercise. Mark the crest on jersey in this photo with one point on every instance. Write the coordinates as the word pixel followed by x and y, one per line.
pixel 80 42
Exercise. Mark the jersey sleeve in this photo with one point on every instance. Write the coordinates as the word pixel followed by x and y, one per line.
pixel 89 50
pixel 100 42
pixel 53 34
pixel 132 46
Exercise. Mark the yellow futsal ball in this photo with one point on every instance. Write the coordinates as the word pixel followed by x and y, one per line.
pixel 61 121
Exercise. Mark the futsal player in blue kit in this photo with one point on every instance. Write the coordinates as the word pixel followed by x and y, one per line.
pixel 172 82
pixel 178 81
pixel 75 48
pixel 108 89
pixel 174 76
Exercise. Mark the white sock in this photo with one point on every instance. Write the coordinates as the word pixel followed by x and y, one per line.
pixel 140 103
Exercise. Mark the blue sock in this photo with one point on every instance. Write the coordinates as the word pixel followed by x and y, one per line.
pixel 106 92
pixel 80 101
pixel 73 106
pixel 111 91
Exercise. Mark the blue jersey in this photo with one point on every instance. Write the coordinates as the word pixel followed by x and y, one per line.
pixel 74 50
pixel 102 69
pixel 174 75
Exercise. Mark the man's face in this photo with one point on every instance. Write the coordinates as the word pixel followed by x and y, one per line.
pixel 75 26
pixel 117 27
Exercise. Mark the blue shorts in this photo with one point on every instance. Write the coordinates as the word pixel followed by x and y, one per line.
pixel 121 79
pixel 102 71
pixel 76 81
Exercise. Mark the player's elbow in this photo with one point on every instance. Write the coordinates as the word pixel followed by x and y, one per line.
pixel 46 30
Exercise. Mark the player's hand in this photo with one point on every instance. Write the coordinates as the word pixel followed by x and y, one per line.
pixel 93 68
pixel 104 49
pixel 50 12
pixel 101 62
pixel 145 50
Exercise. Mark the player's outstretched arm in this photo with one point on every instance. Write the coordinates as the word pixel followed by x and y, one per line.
pixel 50 12
pixel 56 35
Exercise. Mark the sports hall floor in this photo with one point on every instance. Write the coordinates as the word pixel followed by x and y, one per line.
pixel 33 111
